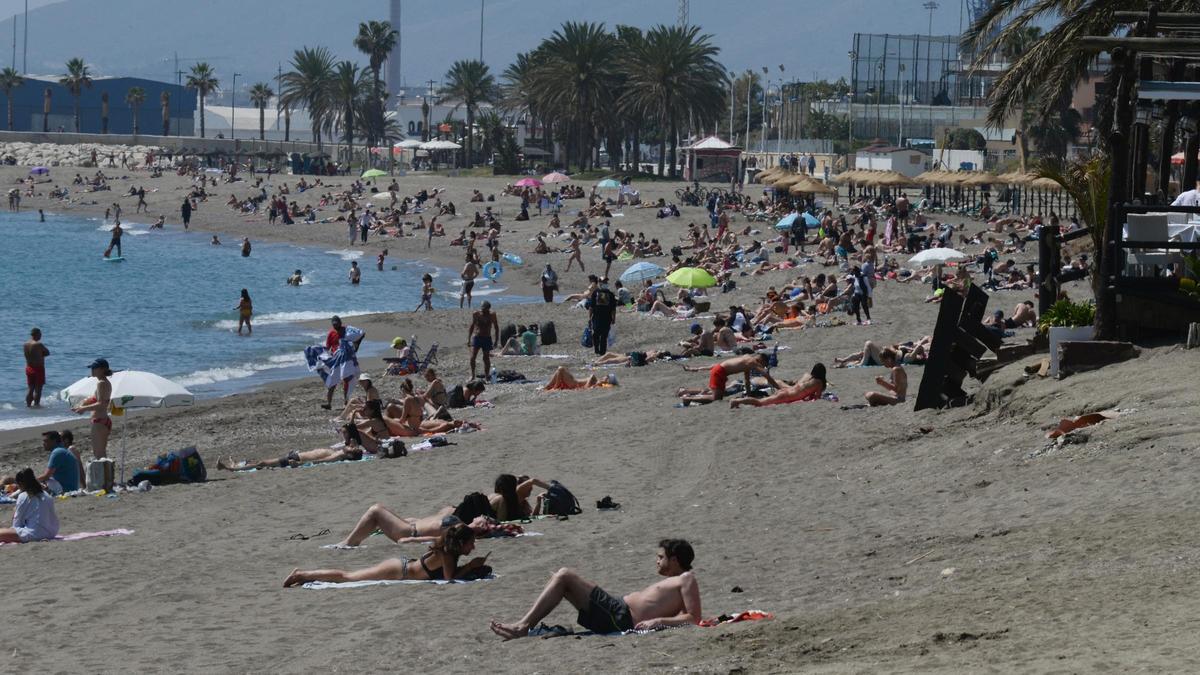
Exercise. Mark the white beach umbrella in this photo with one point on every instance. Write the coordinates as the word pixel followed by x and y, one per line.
pixel 440 145
pixel 132 389
pixel 937 256
pixel 409 144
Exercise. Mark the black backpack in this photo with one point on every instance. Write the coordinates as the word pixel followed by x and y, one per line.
pixel 559 501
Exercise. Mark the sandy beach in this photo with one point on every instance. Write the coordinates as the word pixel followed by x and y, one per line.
pixel 882 540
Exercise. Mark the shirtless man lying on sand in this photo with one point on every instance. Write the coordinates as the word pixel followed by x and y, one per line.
pixel 718 377
pixel 674 601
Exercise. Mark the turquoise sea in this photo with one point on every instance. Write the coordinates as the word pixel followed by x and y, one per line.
pixel 169 307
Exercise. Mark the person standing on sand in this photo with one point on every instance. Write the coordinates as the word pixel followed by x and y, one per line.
pixel 575 254
pixel 364 224
pixel 245 309
pixel 185 212
pixel 469 272
pixel 602 308
pixel 674 601
pixel 549 283
pixel 35 368
pixel 426 293
pixel 97 404
pixel 352 227
pixel 141 202
pixel 483 335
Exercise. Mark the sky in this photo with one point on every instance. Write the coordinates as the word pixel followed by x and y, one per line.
pixel 809 38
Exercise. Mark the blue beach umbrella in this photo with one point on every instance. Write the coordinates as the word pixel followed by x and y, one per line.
pixel 811 219
pixel 609 183
pixel 785 223
pixel 640 272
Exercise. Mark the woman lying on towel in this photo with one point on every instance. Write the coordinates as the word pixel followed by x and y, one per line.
pixel 474 511
pixel 808 388
pixel 439 563
pixel 563 380
pixel 351 450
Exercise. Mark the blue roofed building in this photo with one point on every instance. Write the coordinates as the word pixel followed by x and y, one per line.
pixel 29 111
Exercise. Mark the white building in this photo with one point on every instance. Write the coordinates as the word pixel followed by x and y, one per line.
pixel 907 161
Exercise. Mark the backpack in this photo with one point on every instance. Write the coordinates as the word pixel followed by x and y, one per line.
pixel 586 339
pixel 559 501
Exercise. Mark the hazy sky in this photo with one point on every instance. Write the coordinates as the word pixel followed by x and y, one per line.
pixel 810 38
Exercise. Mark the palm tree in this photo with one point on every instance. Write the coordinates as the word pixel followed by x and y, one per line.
pixel 104 112
pixel 376 39
pixel 10 79
pixel 260 96
pixel 345 89
pixel 76 79
pixel 307 85
pixel 1014 45
pixel 46 109
pixel 471 83
pixel 574 78
pixel 164 101
pixel 134 98
pixel 674 72
pixel 1087 182
pixel 204 80
pixel 517 91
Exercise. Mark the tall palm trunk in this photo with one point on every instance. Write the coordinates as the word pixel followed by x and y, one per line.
pixel 76 107
pixel 349 122
pixel 202 116
pixel 10 112
pixel 662 145
pixel 287 125
pixel 165 102
pixel 134 111
pixel 104 113
pixel 637 145
pixel 46 111
pixel 470 137
pixel 262 122
pixel 674 147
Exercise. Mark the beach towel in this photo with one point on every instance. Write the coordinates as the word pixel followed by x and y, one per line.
pixel 546 631
pixel 79 536
pixel 320 585
pixel 502 531
pixel 337 366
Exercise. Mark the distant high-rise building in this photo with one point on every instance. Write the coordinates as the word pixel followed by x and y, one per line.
pixel 393 63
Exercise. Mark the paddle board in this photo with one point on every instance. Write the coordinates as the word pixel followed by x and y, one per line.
pixel 114 259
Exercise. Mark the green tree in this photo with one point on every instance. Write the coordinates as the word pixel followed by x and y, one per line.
pixel 673 72
pixel 134 98
pixel 965 139
pixel 574 78
pixel 1054 127
pixel 307 85
pixel 204 81
pixel 76 79
pixel 375 39
pixel 517 95
pixel 470 83
pixel 346 86
pixel 260 96
pixel 10 79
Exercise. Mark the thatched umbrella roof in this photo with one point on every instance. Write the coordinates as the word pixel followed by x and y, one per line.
pixel 1045 184
pixel 978 179
pixel 809 185
pixel 787 181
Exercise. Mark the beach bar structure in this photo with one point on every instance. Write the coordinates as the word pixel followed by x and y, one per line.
pixel 711 159
pixel 41 104
pixel 1148 246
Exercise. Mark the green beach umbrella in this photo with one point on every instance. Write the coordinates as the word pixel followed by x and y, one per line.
pixel 373 173
pixel 691 277
pixel 609 184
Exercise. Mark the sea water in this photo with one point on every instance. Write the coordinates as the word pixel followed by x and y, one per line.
pixel 169 307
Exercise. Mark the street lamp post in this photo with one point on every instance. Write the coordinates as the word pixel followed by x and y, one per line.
pixel 850 103
pixel 749 87
pixel 233 107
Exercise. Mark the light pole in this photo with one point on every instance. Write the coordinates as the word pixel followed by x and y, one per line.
pixel 731 103
pixel 931 6
pixel 850 101
pixel 762 132
pixel 900 137
pixel 779 125
pixel 233 107
pixel 749 86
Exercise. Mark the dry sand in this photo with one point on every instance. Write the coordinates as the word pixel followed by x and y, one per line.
pixel 883 540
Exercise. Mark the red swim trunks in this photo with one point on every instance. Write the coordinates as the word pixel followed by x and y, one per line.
pixel 35 377
pixel 717 379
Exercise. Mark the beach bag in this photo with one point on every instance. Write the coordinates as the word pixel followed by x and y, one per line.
pixel 184 466
pixel 100 474
pixel 585 340
pixel 559 501
pixel 510 331
pixel 549 334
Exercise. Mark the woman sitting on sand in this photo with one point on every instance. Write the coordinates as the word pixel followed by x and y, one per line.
pixel 474 510
pixel 33 518
pixel 439 563
pixel 510 501
pixel 351 450
pixel 405 418
pixel 563 380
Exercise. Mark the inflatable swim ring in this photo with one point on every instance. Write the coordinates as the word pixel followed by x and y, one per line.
pixel 492 271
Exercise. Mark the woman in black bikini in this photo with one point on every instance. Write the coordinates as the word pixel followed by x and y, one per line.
pixel 510 500
pixel 474 510
pixel 439 563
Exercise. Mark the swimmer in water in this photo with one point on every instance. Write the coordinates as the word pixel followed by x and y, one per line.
pixel 215 241
pixel 296 279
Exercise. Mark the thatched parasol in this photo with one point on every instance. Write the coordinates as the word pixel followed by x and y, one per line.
pixel 978 179
pixel 787 181
pixel 1045 184
pixel 809 185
